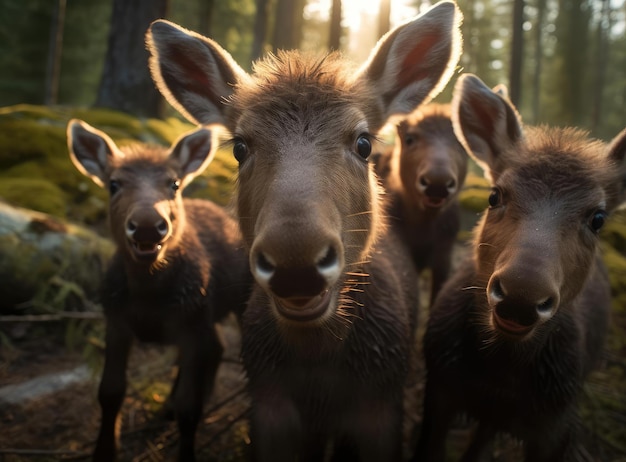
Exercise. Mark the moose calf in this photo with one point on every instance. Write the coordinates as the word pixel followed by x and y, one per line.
pixel 328 331
pixel 515 331
pixel 423 175
pixel 179 268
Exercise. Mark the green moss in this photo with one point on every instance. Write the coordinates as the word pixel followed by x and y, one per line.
pixel 35 194
pixel 474 199
pixel 614 231
pixel 168 130
pixel 616 264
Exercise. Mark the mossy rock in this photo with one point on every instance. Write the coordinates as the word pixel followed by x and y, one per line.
pixel 47 263
pixel 36 194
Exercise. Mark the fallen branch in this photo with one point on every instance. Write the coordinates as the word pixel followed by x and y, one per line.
pixel 53 317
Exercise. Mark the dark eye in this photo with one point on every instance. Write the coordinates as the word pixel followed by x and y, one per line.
pixel 495 197
pixel 409 140
pixel 597 220
pixel 240 149
pixel 363 146
pixel 114 186
pixel 175 185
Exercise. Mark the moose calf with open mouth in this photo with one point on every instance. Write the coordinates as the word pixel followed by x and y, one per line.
pixel 179 268
pixel 515 331
pixel 328 332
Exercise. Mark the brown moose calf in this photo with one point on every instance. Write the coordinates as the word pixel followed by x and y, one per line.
pixel 423 175
pixel 179 268
pixel 329 328
pixel 515 331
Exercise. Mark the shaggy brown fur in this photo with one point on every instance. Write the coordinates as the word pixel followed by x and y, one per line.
pixel 516 330
pixel 423 175
pixel 327 333
pixel 180 267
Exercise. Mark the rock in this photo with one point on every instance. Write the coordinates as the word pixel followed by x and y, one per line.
pixel 47 264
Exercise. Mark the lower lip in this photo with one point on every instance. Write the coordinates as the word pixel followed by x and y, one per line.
pixel 434 203
pixel 310 311
pixel 511 328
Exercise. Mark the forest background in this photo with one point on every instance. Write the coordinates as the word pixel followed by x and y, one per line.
pixel 563 60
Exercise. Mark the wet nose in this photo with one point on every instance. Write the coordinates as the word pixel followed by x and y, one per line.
pixel 147 227
pixel 523 300
pixel 297 280
pixel 437 183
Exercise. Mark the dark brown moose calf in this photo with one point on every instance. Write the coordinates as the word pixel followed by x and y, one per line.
pixel 515 331
pixel 328 331
pixel 423 175
pixel 180 267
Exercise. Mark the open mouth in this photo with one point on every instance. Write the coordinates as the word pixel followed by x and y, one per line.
pixel 511 328
pixel 303 309
pixel 146 250
pixel 434 202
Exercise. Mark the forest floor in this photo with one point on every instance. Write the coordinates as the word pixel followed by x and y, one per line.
pixel 62 424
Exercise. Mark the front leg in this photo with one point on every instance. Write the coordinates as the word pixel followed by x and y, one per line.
pixel 275 425
pixel 118 340
pixel 482 436
pixel 436 420
pixel 199 358
pixel 372 431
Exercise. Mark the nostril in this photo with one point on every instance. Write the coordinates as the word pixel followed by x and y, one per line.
pixel 131 227
pixel 497 292
pixel 423 181
pixel 451 184
pixel 329 266
pixel 162 227
pixel 545 306
pixel 264 265
pixel 329 260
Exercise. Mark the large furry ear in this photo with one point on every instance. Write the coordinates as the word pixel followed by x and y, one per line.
pixel 194 152
pixel 412 63
pixel 617 153
pixel 193 72
pixel 91 150
pixel 485 123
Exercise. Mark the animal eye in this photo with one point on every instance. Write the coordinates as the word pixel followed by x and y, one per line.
pixel 114 186
pixel 597 220
pixel 409 140
pixel 495 197
pixel 175 185
pixel 240 149
pixel 363 146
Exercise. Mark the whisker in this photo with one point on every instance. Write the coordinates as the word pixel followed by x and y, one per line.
pixel 366 212
pixel 350 273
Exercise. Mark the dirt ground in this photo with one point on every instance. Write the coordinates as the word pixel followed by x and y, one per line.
pixel 63 425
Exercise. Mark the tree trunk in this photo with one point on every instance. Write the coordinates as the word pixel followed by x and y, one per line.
pixel 260 29
pixel 55 50
pixel 517 53
pixel 602 53
pixel 334 42
pixel 384 17
pixel 126 84
pixel 288 24
pixel 541 10
pixel 205 17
